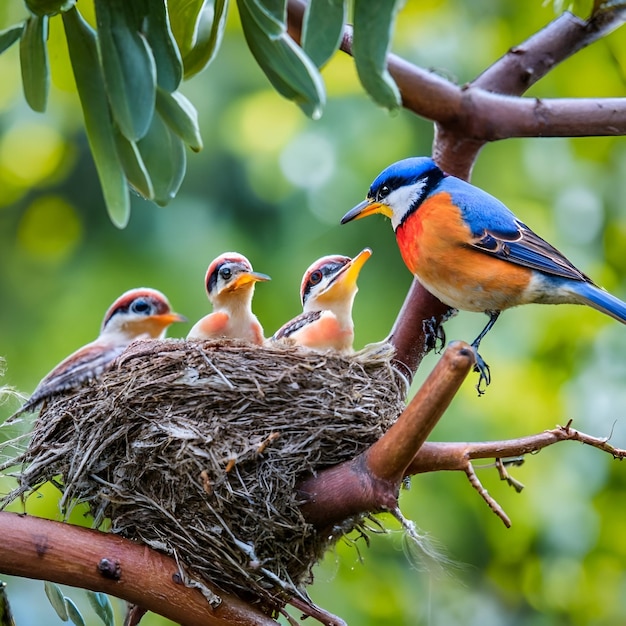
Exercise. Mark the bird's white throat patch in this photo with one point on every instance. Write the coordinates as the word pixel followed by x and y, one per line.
pixel 401 200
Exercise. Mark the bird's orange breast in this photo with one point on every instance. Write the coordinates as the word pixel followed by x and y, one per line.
pixel 435 245
pixel 214 324
pixel 325 333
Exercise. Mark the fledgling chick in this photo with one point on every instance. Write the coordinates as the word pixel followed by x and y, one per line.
pixel 327 293
pixel 230 286
pixel 137 314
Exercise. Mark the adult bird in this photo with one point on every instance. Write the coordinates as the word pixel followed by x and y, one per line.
pixel 137 314
pixel 327 292
pixel 229 284
pixel 470 251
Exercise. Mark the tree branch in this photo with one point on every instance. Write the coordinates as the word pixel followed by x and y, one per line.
pixel 454 456
pixel 448 456
pixel 62 553
pixel 468 117
pixel 371 481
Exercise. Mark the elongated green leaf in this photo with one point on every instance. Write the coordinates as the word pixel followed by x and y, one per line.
pixel 56 598
pixel 276 8
pixel 209 33
pixel 133 165
pixel 184 17
pixel 34 62
pixel 154 21
pixel 81 41
pixel 102 606
pixel 322 29
pixel 181 116
pixel 73 613
pixel 129 67
pixel 49 7
pixel 163 155
pixel 288 68
pixel 268 21
pixel 10 35
pixel 373 26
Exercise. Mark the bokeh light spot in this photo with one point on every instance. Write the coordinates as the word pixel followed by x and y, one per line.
pixel 30 153
pixel 308 161
pixel 50 229
pixel 262 123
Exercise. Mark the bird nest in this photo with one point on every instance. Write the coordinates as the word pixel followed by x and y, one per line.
pixel 196 449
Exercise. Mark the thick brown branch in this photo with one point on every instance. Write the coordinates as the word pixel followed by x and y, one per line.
pixel 370 482
pixel 390 456
pixel 414 333
pixel 467 118
pixel 523 65
pixel 47 550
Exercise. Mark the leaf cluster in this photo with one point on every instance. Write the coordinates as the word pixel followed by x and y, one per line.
pixel 129 67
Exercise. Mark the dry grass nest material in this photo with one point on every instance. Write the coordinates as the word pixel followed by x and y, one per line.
pixel 195 448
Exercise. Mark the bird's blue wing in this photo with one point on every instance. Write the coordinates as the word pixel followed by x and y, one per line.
pixel 496 231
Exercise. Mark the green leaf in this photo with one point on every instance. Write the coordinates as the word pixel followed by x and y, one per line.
pixel 322 29
pixel 49 7
pixel 266 20
pixel 133 165
pixel 102 606
pixel 163 155
pixel 373 26
pixel 34 62
pixel 81 41
pixel 277 9
pixel 209 33
pixel 56 598
pixel 128 65
pixel 184 17
pixel 288 68
pixel 181 116
pixel 156 28
pixel 73 613
pixel 10 35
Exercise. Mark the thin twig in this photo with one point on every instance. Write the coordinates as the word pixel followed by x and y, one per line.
pixel 449 456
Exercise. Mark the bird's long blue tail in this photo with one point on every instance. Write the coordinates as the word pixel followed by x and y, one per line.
pixel 602 301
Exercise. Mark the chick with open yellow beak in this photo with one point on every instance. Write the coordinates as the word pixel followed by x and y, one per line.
pixel 327 291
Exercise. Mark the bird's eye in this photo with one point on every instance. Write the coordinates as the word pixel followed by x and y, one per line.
pixel 141 306
pixel 383 192
pixel 226 273
pixel 315 277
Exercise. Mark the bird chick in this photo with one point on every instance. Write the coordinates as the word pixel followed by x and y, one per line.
pixel 137 314
pixel 327 292
pixel 230 285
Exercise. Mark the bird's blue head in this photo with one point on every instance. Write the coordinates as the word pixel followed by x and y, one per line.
pixel 398 190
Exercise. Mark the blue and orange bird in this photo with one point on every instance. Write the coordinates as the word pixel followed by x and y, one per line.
pixel 470 251
pixel 229 283
pixel 327 292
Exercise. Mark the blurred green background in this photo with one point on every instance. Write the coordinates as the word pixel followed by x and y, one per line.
pixel 272 184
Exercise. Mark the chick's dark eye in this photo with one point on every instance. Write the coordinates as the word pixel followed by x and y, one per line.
pixel 315 277
pixel 226 273
pixel 383 192
pixel 141 306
